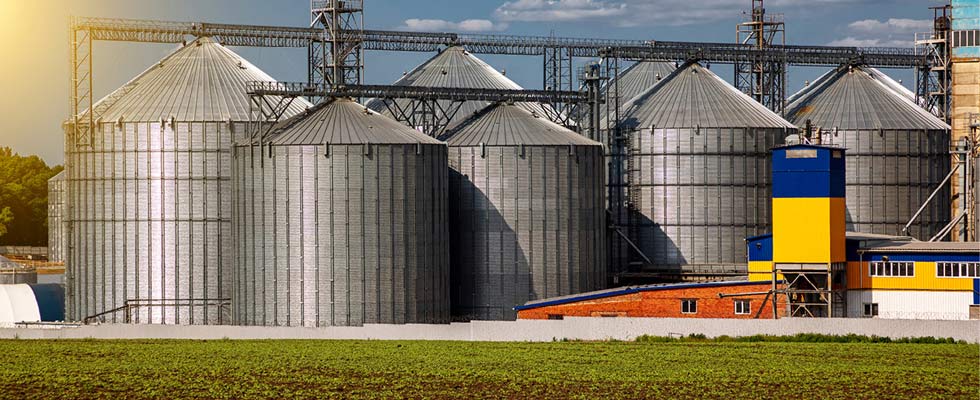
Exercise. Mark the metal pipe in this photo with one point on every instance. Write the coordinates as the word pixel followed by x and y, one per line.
pixel 633 245
pixel 945 231
pixel 724 295
pixel 905 229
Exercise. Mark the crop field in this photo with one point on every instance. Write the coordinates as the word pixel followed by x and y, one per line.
pixel 165 369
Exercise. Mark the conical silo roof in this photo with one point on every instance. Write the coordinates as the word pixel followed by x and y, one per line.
pixel 201 81
pixel 692 96
pixel 343 121
pixel 855 98
pixel 455 67
pixel 503 124
pixel 639 77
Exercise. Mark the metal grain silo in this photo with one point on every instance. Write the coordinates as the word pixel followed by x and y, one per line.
pixel 454 67
pixel 149 213
pixel 56 227
pixel 639 77
pixel 897 153
pixel 689 180
pixel 526 211
pixel 341 219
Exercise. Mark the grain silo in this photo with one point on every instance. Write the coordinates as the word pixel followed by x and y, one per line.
pixel 454 67
pixel 897 153
pixel 692 179
pixel 526 211
pixel 56 227
pixel 149 214
pixel 340 214
pixel 639 77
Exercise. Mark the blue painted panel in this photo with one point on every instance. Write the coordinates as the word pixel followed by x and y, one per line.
pixel 976 291
pixel 760 248
pixel 966 13
pixel 967 52
pixel 852 247
pixel 925 257
pixel 50 301
pixel 820 176
pixel 808 184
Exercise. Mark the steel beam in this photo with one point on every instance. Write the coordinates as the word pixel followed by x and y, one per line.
pixel 300 37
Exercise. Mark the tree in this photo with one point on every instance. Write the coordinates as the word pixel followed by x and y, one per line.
pixel 24 198
pixel 6 217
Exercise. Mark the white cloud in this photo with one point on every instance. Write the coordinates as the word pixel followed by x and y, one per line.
pixel 892 25
pixel 851 41
pixel 893 32
pixel 469 25
pixel 628 13
pixel 558 10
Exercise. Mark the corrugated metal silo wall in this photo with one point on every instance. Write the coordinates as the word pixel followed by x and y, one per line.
pixel 890 174
pixel 341 235
pixel 696 194
pixel 56 230
pixel 526 224
pixel 150 221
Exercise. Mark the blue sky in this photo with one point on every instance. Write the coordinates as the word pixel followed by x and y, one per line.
pixel 33 39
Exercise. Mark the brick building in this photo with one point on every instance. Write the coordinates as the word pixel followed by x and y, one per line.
pixel 738 299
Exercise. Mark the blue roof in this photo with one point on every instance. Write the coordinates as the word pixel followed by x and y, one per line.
pixel 629 290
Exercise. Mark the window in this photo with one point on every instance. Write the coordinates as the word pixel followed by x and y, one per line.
pixel 958 269
pixel 743 307
pixel 870 309
pixel 891 268
pixel 689 306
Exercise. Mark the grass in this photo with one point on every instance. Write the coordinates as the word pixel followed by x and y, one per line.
pixel 689 368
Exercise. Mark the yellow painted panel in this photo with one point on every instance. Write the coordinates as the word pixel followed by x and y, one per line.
pixel 801 230
pixel 761 271
pixel 760 267
pixel 925 279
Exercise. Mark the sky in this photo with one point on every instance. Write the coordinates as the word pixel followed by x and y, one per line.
pixel 34 66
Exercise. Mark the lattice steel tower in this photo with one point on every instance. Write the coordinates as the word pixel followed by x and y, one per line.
pixel 763 80
pixel 934 80
pixel 338 59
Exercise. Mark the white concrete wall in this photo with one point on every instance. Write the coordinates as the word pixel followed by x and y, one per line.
pixel 528 330
pixel 903 304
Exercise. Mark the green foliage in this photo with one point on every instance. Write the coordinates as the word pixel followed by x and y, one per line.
pixel 6 217
pixel 232 369
pixel 798 338
pixel 24 198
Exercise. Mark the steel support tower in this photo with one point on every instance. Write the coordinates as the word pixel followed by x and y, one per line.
pixel 338 60
pixel 558 69
pixel 934 80
pixel 765 81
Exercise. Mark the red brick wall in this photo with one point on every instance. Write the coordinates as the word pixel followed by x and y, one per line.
pixel 664 303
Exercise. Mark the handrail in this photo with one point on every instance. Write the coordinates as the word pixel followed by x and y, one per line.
pixel 139 303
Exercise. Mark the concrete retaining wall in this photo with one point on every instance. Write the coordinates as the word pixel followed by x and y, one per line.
pixel 526 330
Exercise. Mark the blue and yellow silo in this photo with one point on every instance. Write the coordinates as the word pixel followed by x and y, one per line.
pixel 808 207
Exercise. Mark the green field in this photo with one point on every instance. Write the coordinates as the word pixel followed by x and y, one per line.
pixel 166 369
